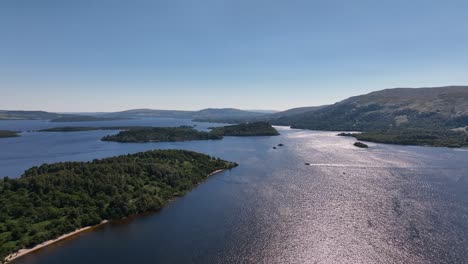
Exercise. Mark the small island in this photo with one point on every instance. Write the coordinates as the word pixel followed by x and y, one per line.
pixel 186 133
pixel 8 133
pixel 161 134
pixel 55 199
pixel 360 145
pixel 344 134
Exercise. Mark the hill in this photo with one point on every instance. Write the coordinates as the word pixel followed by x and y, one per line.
pixel 136 113
pixel 437 108
pixel 411 116
pixel 34 115
pixel 201 115
pixel 278 117
pixel 204 114
pixel 86 119
pixel 260 116
pixel 218 113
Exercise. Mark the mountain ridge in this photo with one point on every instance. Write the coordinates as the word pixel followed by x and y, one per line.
pixel 445 107
pixel 131 113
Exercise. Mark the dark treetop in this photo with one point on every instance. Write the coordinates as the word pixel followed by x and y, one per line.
pixel 54 199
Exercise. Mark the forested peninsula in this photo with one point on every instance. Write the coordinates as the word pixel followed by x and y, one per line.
pixel 435 138
pixel 55 199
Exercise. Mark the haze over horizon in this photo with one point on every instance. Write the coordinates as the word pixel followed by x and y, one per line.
pixel 102 56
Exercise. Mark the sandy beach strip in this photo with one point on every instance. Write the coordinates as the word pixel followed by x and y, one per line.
pixel 25 251
pixel 216 172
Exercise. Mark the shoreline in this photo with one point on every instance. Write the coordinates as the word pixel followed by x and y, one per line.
pixel 25 251
pixel 216 172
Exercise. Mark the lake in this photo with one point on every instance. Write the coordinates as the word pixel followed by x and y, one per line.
pixel 34 148
pixel 385 204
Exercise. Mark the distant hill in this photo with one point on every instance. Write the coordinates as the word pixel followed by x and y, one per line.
pixel 426 108
pixel 34 115
pixel 295 111
pixel 439 107
pixel 262 111
pixel 205 114
pixel 260 116
pixel 86 119
pixel 220 113
pixel 135 113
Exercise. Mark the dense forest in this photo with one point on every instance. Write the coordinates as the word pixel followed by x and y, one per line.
pixel 430 137
pixel 161 134
pixel 436 138
pixel 247 129
pixel 54 199
pixel 185 133
pixel 8 133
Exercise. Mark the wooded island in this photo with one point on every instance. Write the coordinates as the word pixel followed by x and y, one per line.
pixel 55 199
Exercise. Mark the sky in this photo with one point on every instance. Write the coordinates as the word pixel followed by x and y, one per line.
pixel 110 55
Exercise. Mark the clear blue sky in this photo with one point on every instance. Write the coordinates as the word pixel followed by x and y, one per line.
pixel 85 55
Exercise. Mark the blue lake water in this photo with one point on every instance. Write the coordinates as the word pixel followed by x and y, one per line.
pixel 385 204
pixel 34 148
